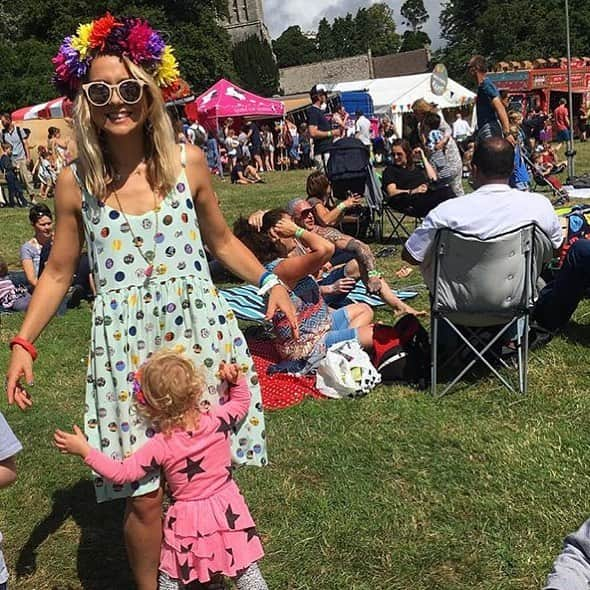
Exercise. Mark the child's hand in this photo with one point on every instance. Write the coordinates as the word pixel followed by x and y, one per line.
pixel 229 372
pixel 74 444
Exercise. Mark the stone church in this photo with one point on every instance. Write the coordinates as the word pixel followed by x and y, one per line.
pixel 246 18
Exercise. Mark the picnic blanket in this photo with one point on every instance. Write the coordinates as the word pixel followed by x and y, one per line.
pixel 248 305
pixel 280 390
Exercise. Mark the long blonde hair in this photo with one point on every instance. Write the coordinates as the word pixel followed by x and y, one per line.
pixel 94 165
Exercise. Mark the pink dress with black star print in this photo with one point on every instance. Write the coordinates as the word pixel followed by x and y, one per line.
pixel 208 528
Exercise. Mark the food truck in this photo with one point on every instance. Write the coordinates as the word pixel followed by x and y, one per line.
pixel 542 83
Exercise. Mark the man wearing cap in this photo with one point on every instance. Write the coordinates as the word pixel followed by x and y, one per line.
pixel 320 128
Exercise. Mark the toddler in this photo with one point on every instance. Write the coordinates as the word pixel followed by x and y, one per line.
pixel 45 172
pixel 208 528
pixel 15 191
pixel 12 297
pixel 9 447
pixel 438 157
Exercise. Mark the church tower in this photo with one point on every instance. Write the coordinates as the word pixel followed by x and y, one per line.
pixel 246 18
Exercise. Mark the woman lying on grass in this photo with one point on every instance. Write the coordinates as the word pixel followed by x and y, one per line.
pixel 319 327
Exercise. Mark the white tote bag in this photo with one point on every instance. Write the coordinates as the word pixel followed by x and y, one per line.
pixel 346 371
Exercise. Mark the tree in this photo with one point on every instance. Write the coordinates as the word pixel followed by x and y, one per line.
pixel 325 41
pixel 344 39
pixel 293 48
pixel 414 13
pixel 480 27
pixel 31 31
pixel 382 38
pixel 412 40
pixel 256 66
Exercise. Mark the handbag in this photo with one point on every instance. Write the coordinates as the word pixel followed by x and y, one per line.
pixel 346 371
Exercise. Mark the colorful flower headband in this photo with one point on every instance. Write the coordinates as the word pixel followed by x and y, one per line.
pixel 138 394
pixel 131 37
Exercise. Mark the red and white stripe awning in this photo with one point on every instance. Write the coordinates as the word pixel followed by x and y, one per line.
pixel 53 109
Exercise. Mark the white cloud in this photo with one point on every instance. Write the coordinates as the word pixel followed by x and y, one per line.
pixel 280 14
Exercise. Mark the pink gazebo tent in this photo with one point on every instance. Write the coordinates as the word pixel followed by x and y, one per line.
pixel 225 99
pixel 53 109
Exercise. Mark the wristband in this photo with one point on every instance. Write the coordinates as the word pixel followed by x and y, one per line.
pixel 341 206
pixel 374 273
pixel 28 346
pixel 263 277
pixel 269 283
pixel 299 232
pixel 330 135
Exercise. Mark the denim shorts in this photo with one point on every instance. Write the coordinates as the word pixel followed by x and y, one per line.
pixel 340 328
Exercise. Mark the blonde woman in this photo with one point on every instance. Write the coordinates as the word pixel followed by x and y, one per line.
pixel 142 203
pixel 447 143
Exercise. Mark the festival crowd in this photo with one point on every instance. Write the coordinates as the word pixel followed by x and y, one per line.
pixel 179 405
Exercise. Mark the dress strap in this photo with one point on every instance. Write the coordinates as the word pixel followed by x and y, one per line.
pixel 183 155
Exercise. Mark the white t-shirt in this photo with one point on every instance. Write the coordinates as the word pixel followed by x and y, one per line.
pixel 490 210
pixel 362 129
pixel 9 446
pixel 461 128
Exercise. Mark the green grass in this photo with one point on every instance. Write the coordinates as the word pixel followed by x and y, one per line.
pixel 394 491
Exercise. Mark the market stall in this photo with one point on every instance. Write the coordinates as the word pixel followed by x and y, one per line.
pixel 225 99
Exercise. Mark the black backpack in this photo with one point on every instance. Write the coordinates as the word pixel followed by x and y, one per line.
pixel 401 353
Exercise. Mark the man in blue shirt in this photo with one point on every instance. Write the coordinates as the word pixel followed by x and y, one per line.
pixel 492 119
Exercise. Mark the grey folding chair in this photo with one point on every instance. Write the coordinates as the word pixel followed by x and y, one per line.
pixel 483 283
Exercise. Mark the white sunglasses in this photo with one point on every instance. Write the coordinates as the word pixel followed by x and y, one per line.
pixel 100 93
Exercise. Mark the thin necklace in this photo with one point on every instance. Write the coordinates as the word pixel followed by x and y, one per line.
pixel 150 256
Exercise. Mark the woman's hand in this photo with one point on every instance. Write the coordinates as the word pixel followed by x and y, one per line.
pixel 20 365
pixel 353 201
pixel 72 444
pixel 374 285
pixel 408 309
pixel 418 151
pixel 342 286
pixel 420 189
pixel 255 220
pixel 284 228
pixel 279 300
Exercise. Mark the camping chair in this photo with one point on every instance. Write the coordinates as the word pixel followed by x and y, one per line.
pixel 485 283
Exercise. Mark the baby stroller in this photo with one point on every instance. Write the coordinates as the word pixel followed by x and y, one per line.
pixel 349 170
pixel 553 183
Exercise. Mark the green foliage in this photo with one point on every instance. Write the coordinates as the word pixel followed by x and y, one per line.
pixel 515 30
pixel 293 48
pixel 32 30
pixel 371 28
pixel 256 66
pixel 414 13
pixel 414 40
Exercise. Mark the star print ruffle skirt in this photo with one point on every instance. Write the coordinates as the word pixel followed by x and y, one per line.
pixel 177 307
pixel 209 536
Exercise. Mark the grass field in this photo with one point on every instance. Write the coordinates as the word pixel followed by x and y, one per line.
pixel 395 491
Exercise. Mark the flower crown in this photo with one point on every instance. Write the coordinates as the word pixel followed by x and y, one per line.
pixel 137 391
pixel 130 37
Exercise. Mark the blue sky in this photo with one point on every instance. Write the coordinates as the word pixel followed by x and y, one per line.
pixel 280 14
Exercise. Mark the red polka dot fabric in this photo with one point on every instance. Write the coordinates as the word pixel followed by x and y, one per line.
pixel 280 390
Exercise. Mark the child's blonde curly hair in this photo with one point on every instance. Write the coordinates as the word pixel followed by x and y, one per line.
pixel 169 387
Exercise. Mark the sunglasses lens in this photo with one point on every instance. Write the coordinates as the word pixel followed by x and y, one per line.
pixel 130 91
pixel 99 94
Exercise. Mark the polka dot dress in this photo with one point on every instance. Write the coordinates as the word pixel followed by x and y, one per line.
pixel 177 307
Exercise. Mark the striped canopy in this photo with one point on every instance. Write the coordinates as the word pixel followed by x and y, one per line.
pixel 53 109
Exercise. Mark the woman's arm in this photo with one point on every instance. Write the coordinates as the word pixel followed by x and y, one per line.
pixel 428 167
pixel 325 216
pixel 291 270
pixel 222 243
pixel 29 270
pixel 53 283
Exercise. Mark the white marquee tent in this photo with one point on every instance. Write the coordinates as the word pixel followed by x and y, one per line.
pixel 395 96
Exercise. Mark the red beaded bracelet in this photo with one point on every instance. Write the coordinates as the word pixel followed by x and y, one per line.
pixel 28 346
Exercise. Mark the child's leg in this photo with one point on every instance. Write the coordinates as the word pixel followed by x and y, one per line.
pixel 165 582
pixel 250 579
